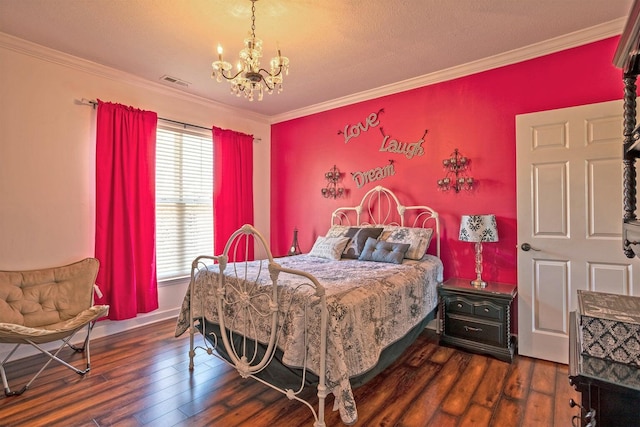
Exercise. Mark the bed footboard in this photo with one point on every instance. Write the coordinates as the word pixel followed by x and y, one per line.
pixel 251 310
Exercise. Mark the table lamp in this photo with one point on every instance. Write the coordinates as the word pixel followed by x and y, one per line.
pixel 478 229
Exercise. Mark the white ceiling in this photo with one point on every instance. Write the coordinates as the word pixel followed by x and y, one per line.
pixel 337 48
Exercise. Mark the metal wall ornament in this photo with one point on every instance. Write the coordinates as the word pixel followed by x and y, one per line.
pixel 456 179
pixel 333 189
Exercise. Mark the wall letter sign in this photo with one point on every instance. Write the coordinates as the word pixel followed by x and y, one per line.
pixel 409 149
pixel 375 174
pixel 353 131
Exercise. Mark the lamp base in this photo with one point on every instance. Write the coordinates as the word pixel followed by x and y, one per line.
pixel 478 283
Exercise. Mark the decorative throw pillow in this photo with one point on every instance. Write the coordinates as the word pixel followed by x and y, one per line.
pixel 329 247
pixel 359 236
pixel 417 238
pixel 337 230
pixel 379 251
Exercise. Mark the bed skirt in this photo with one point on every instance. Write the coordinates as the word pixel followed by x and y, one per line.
pixel 283 376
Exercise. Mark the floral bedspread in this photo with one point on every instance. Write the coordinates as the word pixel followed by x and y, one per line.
pixel 370 305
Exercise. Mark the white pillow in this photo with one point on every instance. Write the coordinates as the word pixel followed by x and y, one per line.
pixel 329 247
pixel 337 230
pixel 417 238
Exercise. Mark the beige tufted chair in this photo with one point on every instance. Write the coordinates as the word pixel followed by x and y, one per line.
pixel 41 306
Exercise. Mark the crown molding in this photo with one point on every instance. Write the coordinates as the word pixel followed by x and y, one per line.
pixel 567 41
pixel 575 39
pixel 63 59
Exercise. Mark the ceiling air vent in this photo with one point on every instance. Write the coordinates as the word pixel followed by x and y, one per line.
pixel 174 81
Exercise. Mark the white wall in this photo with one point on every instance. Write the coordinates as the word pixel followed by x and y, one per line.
pixel 47 149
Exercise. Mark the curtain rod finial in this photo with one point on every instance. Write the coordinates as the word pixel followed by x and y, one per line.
pixel 85 101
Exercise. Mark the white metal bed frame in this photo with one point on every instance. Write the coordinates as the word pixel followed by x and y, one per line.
pixel 242 292
pixel 375 208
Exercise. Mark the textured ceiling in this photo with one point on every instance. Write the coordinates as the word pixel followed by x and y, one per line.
pixel 337 48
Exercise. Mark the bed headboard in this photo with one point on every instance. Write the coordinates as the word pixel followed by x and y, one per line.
pixel 380 206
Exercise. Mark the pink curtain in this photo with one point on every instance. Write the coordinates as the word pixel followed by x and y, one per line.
pixel 125 209
pixel 233 186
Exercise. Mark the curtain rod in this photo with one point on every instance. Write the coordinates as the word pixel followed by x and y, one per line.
pixel 94 104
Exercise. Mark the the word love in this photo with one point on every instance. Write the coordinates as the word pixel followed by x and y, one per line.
pixel 354 131
pixel 375 174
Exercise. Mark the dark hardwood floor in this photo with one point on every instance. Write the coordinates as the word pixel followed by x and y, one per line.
pixel 141 378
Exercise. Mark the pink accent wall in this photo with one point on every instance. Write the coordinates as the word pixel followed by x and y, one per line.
pixel 475 114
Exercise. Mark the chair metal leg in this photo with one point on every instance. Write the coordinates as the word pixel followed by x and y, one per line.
pixel 52 357
pixel 85 344
pixel 3 374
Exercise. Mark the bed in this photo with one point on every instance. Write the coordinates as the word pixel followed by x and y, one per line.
pixel 332 318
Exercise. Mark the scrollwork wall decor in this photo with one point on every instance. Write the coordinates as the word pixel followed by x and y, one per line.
pixel 333 189
pixel 456 179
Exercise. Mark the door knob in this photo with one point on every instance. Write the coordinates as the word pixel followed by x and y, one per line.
pixel 527 247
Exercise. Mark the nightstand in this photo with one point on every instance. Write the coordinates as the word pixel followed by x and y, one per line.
pixel 476 319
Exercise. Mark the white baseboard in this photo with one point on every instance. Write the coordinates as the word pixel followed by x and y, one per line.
pixel 169 299
pixel 101 329
pixel 109 327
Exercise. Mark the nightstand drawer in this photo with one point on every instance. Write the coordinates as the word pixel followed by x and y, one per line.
pixel 475 307
pixel 470 329
pixel 489 310
pixel 460 305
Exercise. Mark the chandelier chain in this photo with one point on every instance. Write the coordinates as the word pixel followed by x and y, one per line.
pixel 253 19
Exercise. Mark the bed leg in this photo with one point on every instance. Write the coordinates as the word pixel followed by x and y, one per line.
pixel 322 394
pixel 192 352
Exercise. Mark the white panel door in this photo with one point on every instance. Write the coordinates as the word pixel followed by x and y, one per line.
pixel 569 190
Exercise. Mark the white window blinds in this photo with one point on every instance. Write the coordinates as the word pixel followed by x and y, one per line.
pixel 184 199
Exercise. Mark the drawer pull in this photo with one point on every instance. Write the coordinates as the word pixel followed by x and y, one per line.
pixel 472 329
pixel 459 305
pixel 486 310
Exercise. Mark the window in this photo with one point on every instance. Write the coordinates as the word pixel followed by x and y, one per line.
pixel 184 199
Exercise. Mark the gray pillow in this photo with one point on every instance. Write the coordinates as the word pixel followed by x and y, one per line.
pixel 380 251
pixel 359 236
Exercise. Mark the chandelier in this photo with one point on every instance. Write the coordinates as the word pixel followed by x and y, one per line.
pixel 250 78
